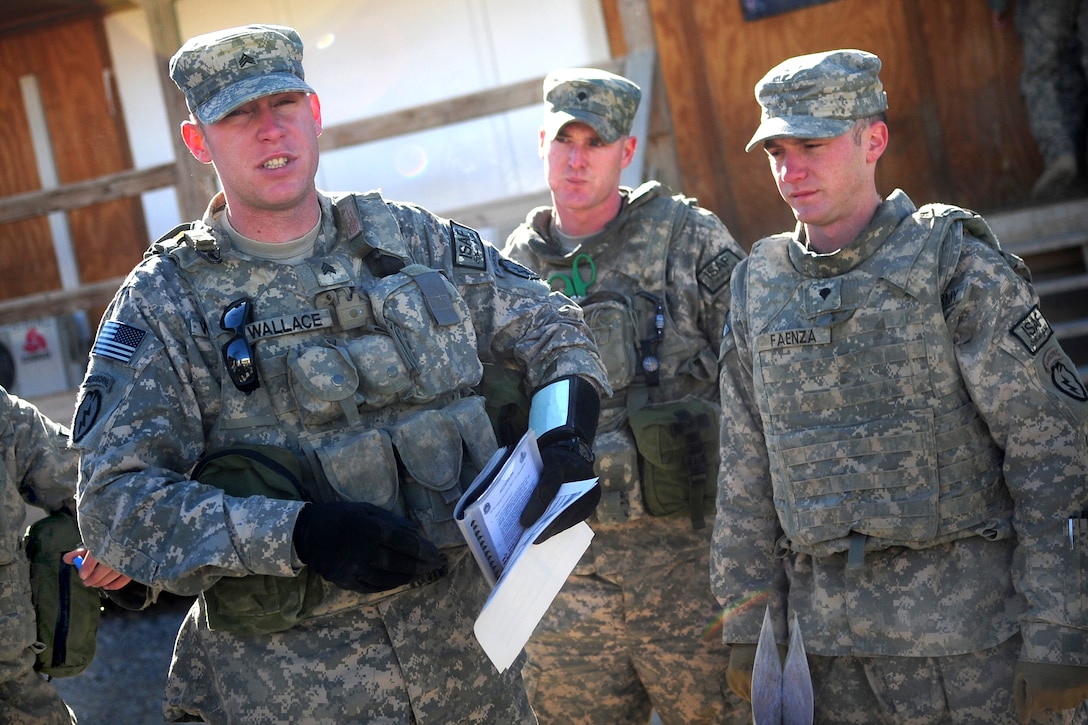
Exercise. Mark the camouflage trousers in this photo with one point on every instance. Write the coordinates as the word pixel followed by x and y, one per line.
pixel 30 700
pixel 409 659
pixel 970 688
pixel 1054 35
pixel 615 646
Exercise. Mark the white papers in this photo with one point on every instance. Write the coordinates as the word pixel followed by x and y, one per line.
pixel 525 576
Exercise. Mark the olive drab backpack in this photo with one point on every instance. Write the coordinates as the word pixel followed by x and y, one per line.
pixel 67 612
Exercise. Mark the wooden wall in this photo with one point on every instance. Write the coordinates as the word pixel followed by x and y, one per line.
pixel 71 62
pixel 958 127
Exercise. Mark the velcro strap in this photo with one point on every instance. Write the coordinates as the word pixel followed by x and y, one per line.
pixel 437 298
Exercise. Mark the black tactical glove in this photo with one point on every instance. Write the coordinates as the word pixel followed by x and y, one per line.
pixel 1040 686
pixel 563 414
pixel 564 461
pixel 362 547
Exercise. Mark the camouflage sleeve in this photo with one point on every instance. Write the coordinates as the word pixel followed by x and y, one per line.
pixel 38 467
pixel 718 254
pixel 149 395
pixel 745 574
pixel 518 322
pixel 1029 394
pixel 36 449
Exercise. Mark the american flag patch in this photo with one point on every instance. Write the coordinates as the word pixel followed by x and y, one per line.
pixel 118 341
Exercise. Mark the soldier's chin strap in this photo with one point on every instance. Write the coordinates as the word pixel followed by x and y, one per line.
pixel 565 411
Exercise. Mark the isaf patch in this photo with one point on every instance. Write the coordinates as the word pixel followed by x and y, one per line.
pixel 1033 330
pixel 468 248
pixel 715 274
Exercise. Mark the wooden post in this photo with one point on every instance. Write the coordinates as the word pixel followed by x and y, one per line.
pixel 655 156
pixel 195 181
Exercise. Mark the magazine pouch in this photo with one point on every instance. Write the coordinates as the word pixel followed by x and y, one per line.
pixel 678 447
pixel 612 321
pixel 429 324
pixel 616 466
pixel 257 603
pixel 67 612
pixel 429 445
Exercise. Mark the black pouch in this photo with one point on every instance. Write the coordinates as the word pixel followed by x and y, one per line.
pixel 67 612
pixel 678 449
pixel 258 603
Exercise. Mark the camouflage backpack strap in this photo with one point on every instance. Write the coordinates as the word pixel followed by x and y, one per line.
pixel 369 228
pixel 677 440
pixel 195 236
pixel 951 222
pixel 649 304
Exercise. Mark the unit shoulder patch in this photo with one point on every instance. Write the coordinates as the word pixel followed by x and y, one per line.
pixel 468 248
pixel 715 274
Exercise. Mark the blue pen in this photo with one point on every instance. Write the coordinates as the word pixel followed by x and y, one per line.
pixel 78 561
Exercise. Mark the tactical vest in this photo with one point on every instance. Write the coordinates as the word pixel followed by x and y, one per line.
pixel 360 364
pixel 869 427
pixel 628 311
pixel 651 449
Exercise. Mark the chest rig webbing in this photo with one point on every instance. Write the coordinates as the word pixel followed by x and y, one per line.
pixel 872 436
pixel 649 459
pixel 361 356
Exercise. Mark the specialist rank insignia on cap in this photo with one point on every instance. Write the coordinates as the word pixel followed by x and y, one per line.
pixel 605 101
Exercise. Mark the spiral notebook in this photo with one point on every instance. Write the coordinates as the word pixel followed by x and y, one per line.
pixel 525 577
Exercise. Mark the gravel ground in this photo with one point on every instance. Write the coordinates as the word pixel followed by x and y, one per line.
pixel 124 683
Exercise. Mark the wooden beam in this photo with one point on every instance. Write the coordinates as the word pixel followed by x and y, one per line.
pixel 440 113
pixel 121 185
pixel 95 295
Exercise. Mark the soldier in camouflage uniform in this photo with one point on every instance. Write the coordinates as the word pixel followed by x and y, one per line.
pixel 278 417
pixel 1054 36
pixel 906 469
pixel 637 613
pixel 39 469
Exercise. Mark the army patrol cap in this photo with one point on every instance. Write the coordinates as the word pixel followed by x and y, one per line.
pixel 222 70
pixel 818 95
pixel 605 101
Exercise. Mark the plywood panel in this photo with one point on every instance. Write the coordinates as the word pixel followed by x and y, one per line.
pixel 990 154
pixel 71 63
pixel 27 264
pixel 958 132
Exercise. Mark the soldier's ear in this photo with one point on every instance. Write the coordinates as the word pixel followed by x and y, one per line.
pixel 315 108
pixel 876 140
pixel 194 139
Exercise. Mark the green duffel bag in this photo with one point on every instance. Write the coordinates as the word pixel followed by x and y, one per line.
pixel 678 451
pixel 257 603
pixel 67 612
